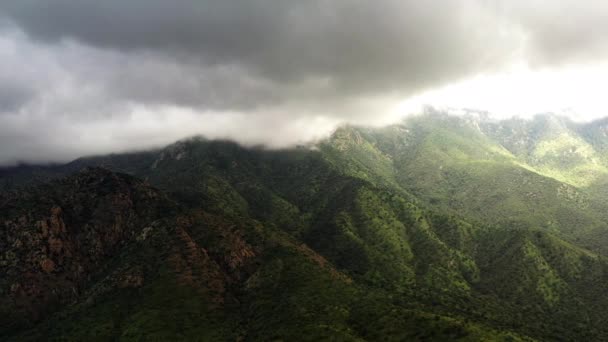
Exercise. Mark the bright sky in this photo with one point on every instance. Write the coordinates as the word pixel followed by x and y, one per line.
pixel 577 91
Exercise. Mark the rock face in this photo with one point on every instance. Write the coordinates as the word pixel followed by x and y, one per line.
pixel 101 238
pixel 56 237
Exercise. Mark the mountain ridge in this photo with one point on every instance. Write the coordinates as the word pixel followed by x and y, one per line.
pixel 429 229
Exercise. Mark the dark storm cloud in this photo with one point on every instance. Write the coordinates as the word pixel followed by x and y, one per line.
pixel 82 77
pixel 558 32
pixel 357 45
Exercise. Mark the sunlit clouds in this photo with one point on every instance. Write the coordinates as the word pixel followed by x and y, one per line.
pixel 85 78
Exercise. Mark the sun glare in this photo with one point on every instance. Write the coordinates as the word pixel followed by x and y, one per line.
pixel 576 91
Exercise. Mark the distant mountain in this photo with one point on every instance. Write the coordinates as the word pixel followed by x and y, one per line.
pixel 545 173
pixel 439 228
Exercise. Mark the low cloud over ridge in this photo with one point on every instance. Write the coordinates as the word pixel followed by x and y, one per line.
pixel 81 78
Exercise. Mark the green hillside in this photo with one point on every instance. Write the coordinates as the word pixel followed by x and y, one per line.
pixel 470 166
pixel 439 228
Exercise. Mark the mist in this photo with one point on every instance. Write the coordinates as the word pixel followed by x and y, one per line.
pixel 80 79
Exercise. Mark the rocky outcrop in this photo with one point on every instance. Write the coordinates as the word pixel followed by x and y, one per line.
pixel 57 236
pixel 98 237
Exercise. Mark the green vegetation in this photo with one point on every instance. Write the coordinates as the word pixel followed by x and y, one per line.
pixel 439 228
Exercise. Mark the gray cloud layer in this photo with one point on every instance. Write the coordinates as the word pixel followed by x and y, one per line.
pixel 356 43
pixel 88 77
